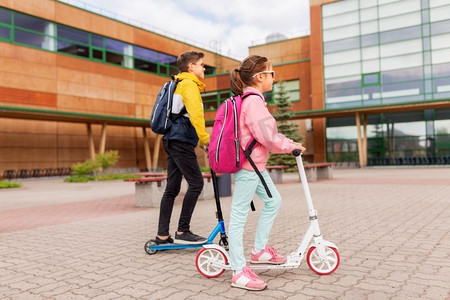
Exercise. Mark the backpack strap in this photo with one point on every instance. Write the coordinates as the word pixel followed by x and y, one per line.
pixel 247 153
pixel 175 117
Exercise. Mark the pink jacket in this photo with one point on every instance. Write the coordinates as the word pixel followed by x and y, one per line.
pixel 256 121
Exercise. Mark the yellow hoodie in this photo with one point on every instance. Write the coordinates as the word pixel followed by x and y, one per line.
pixel 187 94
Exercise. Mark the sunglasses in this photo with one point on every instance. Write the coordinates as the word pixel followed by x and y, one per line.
pixel 265 72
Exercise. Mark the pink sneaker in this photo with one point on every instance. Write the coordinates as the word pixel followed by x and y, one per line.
pixel 248 280
pixel 267 256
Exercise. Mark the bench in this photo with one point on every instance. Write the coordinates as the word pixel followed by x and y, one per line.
pixel 276 172
pixel 316 171
pixel 149 188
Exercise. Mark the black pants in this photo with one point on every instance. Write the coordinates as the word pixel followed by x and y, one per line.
pixel 181 161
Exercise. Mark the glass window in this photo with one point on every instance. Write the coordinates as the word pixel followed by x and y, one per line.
pixel 442 127
pixel 400 62
pixel 5 16
pixel 145 65
pixel 369 27
pixel 371 93
pixel 369 14
pixel 368 3
pixel 440 27
pixel 291 89
pixel 97 41
pixel 370 66
pixel 370 79
pixel 442 85
pixel 115 45
pixel 440 56
pixel 341 33
pixel 29 22
pixel 72 34
pixel 5 33
pixel 440 13
pixel 167 59
pixel 409 128
pixel 402 75
pixel 145 54
pixel 343 83
pixel 401 34
pixel 398 8
pixel 399 48
pixel 339 7
pixel 441 70
pixel 342 57
pixel 343 132
pixel 341 20
pixel 28 38
pixel 369 40
pixel 346 95
pixel 343 70
pixel 400 21
pixel 370 52
pixel 402 89
pixel 440 41
pixel 341 45
pixel 210 100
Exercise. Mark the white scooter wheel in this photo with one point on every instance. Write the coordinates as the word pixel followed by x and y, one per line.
pixel 205 259
pixel 328 266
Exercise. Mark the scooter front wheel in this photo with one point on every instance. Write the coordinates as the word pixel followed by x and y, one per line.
pixel 328 265
pixel 205 259
pixel 148 249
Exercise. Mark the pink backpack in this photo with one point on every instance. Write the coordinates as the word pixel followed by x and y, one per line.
pixel 225 151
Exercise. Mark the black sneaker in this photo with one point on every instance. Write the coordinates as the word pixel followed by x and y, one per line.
pixel 159 241
pixel 188 237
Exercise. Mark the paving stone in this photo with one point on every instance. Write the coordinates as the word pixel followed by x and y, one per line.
pixel 391 227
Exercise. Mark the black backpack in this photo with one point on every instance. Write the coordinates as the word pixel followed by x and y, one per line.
pixel 162 118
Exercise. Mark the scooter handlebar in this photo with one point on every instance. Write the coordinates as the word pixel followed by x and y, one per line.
pixel 296 152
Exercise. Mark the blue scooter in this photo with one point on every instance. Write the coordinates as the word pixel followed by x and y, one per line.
pixel 151 247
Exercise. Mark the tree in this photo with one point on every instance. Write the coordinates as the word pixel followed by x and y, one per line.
pixel 285 126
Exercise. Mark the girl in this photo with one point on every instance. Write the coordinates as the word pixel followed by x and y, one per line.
pixel 255 74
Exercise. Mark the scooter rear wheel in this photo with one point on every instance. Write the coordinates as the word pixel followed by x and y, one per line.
pixel 205 259
pixel 328 266
pixel 148 249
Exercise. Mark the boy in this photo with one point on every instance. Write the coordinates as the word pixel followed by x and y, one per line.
pixel 179 144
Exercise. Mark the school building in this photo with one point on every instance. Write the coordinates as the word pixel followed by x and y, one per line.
pixel 74 83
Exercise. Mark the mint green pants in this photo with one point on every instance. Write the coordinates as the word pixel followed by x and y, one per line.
pixel 246 184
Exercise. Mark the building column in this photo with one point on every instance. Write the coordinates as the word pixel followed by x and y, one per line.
pixel 156 151
pixel 148 160
pixel 362 139
pixel 90 142
pixel 101 149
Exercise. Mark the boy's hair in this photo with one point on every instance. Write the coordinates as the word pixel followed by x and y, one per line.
pixel 243 76
pixel 186 58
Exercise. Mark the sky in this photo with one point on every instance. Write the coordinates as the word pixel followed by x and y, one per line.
pixel 228 27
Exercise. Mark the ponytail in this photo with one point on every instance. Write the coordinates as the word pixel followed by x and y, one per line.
pixel 242 77
pixel 237 86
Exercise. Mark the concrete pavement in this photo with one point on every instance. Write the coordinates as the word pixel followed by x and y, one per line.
pixel 86 241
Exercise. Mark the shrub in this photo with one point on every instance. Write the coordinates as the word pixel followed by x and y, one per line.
pixel 85 168
pixel 107 159
pixel 9 184
pixel 101 161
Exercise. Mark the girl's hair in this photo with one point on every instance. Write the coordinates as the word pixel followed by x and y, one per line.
pixel 186 58
pixel 243 76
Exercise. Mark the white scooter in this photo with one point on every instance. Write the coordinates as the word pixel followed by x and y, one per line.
pixel 322 257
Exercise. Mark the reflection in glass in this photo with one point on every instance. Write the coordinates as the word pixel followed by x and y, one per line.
pixel 29 22
pixel 28 38
pixel 5 16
